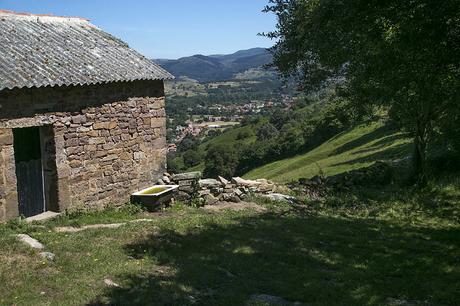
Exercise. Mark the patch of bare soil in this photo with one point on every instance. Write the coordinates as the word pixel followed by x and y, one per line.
pixel 220 206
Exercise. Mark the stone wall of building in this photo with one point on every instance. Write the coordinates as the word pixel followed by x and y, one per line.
pixel 109 139
pixel 8 194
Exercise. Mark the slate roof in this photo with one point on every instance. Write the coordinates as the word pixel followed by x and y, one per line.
pixel 43 50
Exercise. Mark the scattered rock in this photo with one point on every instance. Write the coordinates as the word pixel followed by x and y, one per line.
pixel 166 179
pixel 271 300
pixel 111 283
pixel 210 199
pixel 223 180
pixel 227 273
pixel 242 182
pixel 48 215
pixel 47 255
pixel 33 243
pixel 280 197
pixel 401 302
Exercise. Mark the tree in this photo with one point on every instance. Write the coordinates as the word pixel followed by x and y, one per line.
pixel 221 159
pixel 243 134
pixel 279 118
pixel 175 164
pixel 290 139
pixel 189 142
pixel 266 131
pixel 191 158
pixel 403 55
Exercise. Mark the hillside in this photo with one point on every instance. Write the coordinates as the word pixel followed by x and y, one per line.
pixel 354 149
pixel 217 67
pixel 229 136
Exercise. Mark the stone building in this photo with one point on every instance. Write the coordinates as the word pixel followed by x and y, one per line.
pixel 82 119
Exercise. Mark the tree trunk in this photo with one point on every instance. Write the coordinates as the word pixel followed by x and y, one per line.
pixel 420 158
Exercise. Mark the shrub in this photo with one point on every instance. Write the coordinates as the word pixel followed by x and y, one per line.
pixel 221 159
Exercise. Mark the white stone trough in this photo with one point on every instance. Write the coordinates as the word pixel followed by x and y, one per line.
pixel 153 198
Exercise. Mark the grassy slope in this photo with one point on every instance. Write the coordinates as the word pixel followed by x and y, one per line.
pixel 399 245
pixel 357 148
pixel 229 136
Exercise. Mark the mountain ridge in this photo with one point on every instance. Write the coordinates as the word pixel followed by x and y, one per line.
pixel 221 67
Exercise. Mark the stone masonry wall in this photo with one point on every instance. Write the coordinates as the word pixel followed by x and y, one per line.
pixel 8 194
pixel 109 140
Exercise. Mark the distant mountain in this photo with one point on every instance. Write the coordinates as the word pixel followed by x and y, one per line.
pixel 217 67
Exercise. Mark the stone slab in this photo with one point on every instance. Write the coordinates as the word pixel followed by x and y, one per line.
pixel 47 215
pixel 186 176
pixel 32 242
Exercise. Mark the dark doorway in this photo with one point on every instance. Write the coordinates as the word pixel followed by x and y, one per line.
pixel 28 153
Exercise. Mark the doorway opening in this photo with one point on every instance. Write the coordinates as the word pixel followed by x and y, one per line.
pixel 36 176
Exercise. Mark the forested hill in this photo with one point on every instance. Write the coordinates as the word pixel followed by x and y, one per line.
pixel 217 67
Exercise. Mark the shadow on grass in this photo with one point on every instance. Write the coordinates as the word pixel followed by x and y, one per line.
pixel 312 259
pixel 395 152
pixel 364 139
pixel 382 143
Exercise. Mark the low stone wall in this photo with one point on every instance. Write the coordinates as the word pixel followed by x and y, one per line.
pixel 195 190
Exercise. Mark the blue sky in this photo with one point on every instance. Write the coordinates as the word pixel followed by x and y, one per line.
pixel 168 28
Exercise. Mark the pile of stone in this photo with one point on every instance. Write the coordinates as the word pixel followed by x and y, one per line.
pixel 210 191
pixel 188 185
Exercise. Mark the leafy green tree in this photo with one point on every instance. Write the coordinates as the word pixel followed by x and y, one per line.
pixel 291 139
pixel 191 158
pixel 243 134
pixel 404 55
pixel 279 118
pixel 266 131
pixel 174 163
pixel 221 159
pixel 189 142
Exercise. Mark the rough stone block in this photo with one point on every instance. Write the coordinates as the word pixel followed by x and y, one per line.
pixel 186 176
pixel 157 122
pixel 6 139
pixel 209 183
pixel 210 199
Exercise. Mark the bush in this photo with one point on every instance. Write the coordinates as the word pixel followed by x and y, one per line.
pixel 175 163
pixel 221 159
pixel 243 134
pixel 266 131
pixel 191 158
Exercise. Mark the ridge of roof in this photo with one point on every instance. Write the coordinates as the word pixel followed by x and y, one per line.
pixel 44 17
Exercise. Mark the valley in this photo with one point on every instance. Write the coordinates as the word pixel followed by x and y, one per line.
pixel 209 103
